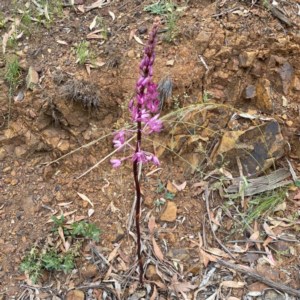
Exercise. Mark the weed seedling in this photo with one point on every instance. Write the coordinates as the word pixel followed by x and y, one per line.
pixel 158 203
pixel 52 259
pixel 171 24
pixel 82 52
pixel 206 96
pixel 12 77
pixel 166 9
pixel 3 21
pixel 13 72
pixel 265 204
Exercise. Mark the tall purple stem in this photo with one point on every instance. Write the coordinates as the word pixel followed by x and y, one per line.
pixel 146 68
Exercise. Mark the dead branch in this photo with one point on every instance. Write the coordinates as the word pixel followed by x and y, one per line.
pixel 206 195
pixel 251 273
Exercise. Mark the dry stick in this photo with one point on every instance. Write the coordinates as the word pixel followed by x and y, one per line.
pixel 210 223
pixel 103 159
pixel 251 273
pixel 129 224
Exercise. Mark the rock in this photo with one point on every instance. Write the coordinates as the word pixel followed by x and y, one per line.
pixel 202 40
pixel 20 151
pixel 142 30
pixel 257 287
pixel 14 181
pixel 286 73
pixel 48 172
pixel 272 295
pixel 32 78
pixel 89 271
pixel 179 254
pixel 263 95
pixel 151 273
pixel 170 62
pixel 258 148
pixel 75 295
pixel 296 84
pixel 131 53
pixel 246 59
pixel 170 212
pixel 63 146
pixel 2 153
pixel 59 196
pixel 250 92
pixel 51 137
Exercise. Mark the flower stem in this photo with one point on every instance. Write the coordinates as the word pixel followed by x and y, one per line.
pixel 138 198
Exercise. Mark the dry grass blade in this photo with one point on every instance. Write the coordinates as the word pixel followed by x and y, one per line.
pixel 103 159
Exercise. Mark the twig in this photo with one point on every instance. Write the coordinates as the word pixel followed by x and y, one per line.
pixel 103 159
pixel 133 204
pixel 77 149
pixel 206 194
pixel 96 286
pixel 224 12
pixel 251 273
pixel 204 63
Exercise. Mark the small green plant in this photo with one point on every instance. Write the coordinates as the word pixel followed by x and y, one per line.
pixel 171 24
pixel 169 195
pixel 168 10
pixel 82 52
pixel 265 204
pixel 77 229
pixel 12 73
pixel 206 96
pixel 32 264
pixel 161 189
pixel 100 23
pixel 86 230
pixel 51 259
pixel 12 77
pixel 158 203
pixel 161 7
pixel 3 21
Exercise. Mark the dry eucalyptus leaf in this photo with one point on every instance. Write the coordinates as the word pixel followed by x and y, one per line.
pixel 138 40
pixel 112 15
pixel 269 231
pixel 157 250
pixel 181 287
pixel 88 69
pixel 91 212
pixel 254 236
pixel 171 188
pixel 80 8
pixel 233 284
pixel 297 196
pixel 217 252
pixel 93 24
pixel 151 224
pixel 62 42
pixel 97 4
pixel 154 294
pixel 113 254
pixel 85 198
pixel 64 203
pixel 179 187
pixel 133 287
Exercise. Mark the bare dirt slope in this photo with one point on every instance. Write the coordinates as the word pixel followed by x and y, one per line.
pixel 233 113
